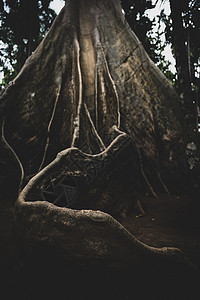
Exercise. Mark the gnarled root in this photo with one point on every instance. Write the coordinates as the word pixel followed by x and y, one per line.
pixel 80 235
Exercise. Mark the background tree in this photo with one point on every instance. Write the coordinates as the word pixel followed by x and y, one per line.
pixel 23 25
pixel 182 32
pixel 90 89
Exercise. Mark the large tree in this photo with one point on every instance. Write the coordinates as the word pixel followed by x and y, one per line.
pixel 91 97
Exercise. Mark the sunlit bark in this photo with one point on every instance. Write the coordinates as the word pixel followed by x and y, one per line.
pixel 90 90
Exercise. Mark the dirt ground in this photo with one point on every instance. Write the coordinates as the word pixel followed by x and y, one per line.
pixel 168 221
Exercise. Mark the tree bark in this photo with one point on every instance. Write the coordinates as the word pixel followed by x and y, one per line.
pixel 182 62
pixel 80 236
pixel 88 89
pixel 90 73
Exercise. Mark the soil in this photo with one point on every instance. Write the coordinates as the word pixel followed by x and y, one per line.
pixel 168 221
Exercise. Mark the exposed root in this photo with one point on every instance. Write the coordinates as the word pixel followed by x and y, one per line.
pixel 96 99
pixel 101 144
pixel 49 128
pixel 118 245
pixel 139 209
pixel 77 120
pixel 103 94
pixel 115 128
pixel 163 184
pixel 143 173
pixel 13 152
pixel 114 88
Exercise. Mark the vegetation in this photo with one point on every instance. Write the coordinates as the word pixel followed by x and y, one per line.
pixel 23 26
pixel 182 34
pixel 91 123
pixel 81 90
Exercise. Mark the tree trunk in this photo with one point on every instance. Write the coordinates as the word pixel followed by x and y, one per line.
pixel 90 90
pixel 180 39
pixel 90 73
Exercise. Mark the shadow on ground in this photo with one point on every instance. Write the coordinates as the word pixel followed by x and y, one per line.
pixel 169 221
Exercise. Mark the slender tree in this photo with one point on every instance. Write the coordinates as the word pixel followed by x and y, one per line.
pixel 182 31
pixel 180 47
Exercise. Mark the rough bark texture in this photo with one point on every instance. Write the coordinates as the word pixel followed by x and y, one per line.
pixel 90 73
pixel 83 236
pixel 91 89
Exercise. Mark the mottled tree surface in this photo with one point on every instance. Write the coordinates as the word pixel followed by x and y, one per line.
pixel 90 93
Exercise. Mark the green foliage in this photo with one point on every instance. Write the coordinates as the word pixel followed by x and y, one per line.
pixel 23 25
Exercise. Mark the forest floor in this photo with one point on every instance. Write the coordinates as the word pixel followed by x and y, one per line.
pixel 168 221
